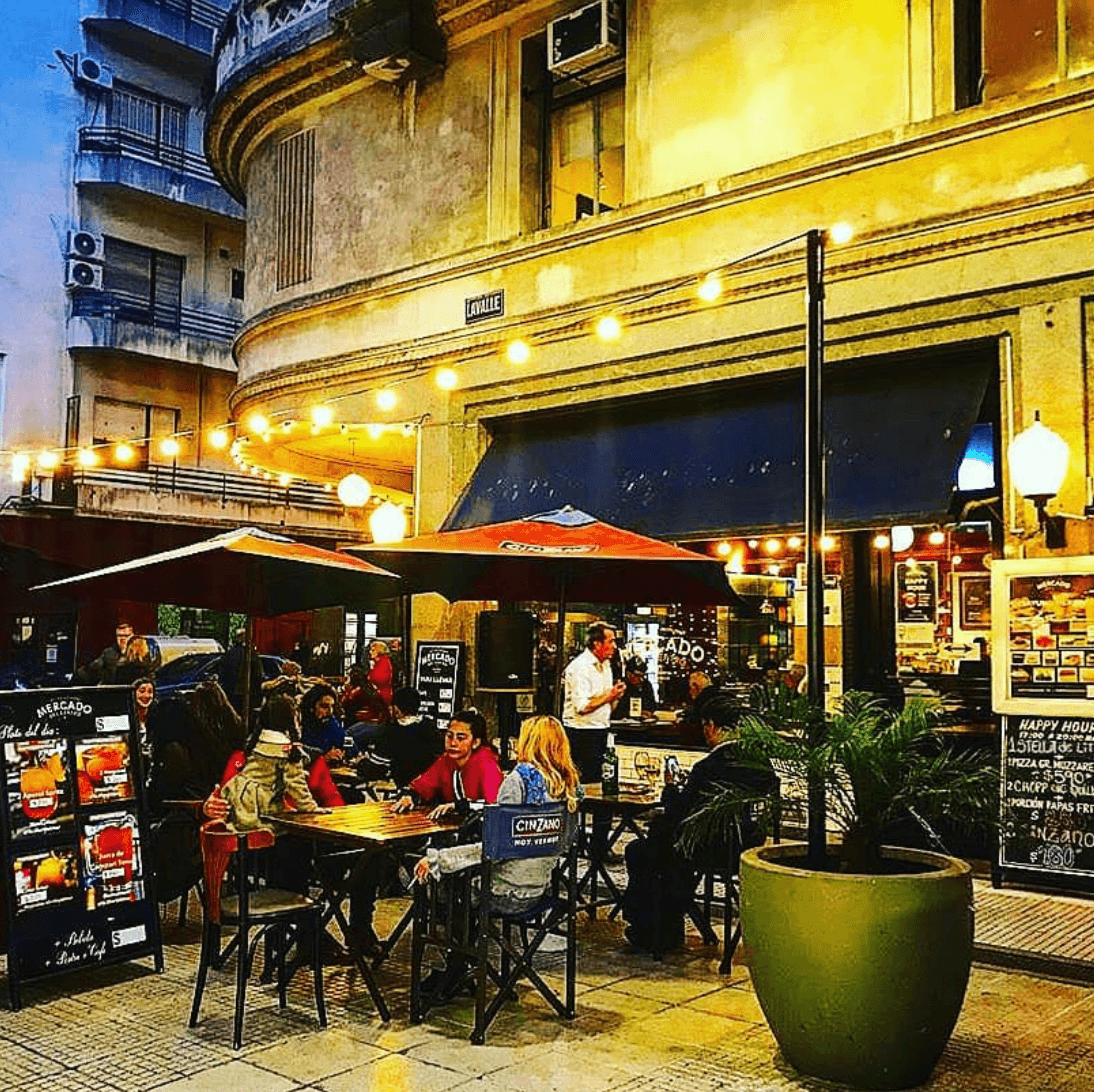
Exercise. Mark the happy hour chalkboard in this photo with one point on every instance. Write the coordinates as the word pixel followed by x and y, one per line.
pixel 1048 794
pixel 74 830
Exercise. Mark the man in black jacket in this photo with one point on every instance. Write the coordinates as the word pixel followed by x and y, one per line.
pixel 654 864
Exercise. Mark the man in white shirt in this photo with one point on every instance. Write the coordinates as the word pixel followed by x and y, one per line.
pixel 590 693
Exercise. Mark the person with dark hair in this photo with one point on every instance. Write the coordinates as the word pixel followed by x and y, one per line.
pixel 102 670
pixel 638 690
pixel 660 880
pixel 590 695
pixel 321 731
pixel 409 742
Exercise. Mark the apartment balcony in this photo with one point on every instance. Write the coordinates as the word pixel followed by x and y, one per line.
pixel 110 155
pixel 203 497
pixel 107 320
pixel 192 24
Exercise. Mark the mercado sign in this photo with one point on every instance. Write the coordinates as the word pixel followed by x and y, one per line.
pixel 1048 795
pixel 74 832
pixel 439 669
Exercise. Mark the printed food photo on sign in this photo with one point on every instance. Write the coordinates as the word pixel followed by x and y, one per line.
pixel 110 846
pixel 38 786
pixel 45 878
pixel 103 773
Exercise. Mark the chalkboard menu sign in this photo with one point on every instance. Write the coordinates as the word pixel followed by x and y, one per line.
pixel 74 833
pixel 439 669
pixel 1048 794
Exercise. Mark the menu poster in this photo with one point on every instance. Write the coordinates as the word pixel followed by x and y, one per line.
pixel 439 670
pixel 74 828
pixel 111 856
pixel 103 770
pixel 1048 794
pixel 45 878
pixel 916 592
pixel 1044 635
pixel 38 785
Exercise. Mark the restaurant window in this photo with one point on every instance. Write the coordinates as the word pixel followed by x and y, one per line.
pixel 572 140
pixel 295 201
pixel 156 125
pixel 145 285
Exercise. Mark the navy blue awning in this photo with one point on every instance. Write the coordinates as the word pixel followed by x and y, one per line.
pixel 728 457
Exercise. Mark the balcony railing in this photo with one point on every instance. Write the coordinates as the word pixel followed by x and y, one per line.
pixel 116 141
pixel 227 488
pixel 250 25
pixel 185 321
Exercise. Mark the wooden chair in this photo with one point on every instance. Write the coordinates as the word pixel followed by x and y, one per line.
pixel 462 918
pixel 267 912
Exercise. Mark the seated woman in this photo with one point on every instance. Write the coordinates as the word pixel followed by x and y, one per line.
pixel 320 729
pixel 544 773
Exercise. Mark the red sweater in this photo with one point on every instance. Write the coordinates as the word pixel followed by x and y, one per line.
pixel 481 778
pixel 320 781
pixel 381 675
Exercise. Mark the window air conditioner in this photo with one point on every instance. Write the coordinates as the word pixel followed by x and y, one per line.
pixel 86 245
pixel 90 72
pixel 585 37
pixel 81 274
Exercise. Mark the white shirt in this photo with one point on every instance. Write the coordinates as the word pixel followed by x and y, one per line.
pixel 585 678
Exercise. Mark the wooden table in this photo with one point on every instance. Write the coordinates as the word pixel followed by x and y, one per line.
pixel 621 812
pixel 372 825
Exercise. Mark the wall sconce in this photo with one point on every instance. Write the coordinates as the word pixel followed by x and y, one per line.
pixel 1038 459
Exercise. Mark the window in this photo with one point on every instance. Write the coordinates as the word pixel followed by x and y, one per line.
pixel 572 140
pixel 145 284
pixel 115 420
pixel 237 284
pixel 157 124
pixel 295 197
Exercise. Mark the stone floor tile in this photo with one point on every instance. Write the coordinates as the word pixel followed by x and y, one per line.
pixel 396 1071
pixel 313 1057
pixel 237 1076
pixel 560 1070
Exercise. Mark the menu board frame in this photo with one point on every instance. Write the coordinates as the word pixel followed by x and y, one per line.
pixel 1043 636
pixel 78 888
pixel 1047 795
pixel 440 666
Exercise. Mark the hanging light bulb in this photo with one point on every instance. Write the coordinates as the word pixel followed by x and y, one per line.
pixel 87 456
pixel 903 536
pixel 937 537
pixel 284 480
pixel 794 542
pixel 609 328
pixel 773 546
pixel 388 523
pixel 20 464
pixel 124 453
pixel 710 288
pixel 169 447
pixel 321 416
pixel 387 400
pixel 374 431
pixel 518 351
pixel 827 543
pixel 259 424
pixel 723 549
pixel 354 491
pixel 882 541
pixel 48 460
pixel 841 233
pixel 446 378
pixel 218 439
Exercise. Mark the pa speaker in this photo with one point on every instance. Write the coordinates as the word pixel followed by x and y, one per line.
pixel 506 651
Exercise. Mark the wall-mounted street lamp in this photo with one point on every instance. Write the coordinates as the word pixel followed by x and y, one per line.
pixel 1037 459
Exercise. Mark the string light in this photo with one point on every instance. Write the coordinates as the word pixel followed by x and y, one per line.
pixel 827 544
pixel 218 439
pixel 49 460
pixel 882 542
pixel 773 546
pixel 446 378
pixel 169 448
pixel 387 399
pixel 388 523
pixel 258 423
pixel 723 548
pixel 609 328
pixel 710 288
pixel 354 491
pixel 124 453
pixel 518 352
pixel 284 480
pixel 936 537
pixel 322 416
pixel 87 457
pixel 794 542
pixel 841 233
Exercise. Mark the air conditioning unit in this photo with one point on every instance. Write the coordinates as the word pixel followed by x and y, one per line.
pixel 90 72
pixel 81 274
pixel 585 37
pixel 86 245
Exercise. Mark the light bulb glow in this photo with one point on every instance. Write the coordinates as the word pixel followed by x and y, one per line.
pixel 388 523
pixel 710 288
pixel 374 431
pixel 936 538
pixel 882 542
pixel 387 400
pixel 753 543
pixel 841 233
pixel 258 423
pixel 124 453
pixel 87 456
pixel 794 542
pixel 903 537
pixel 321 416
pixel 446 379
pixel 284 480
pixel 827 543
pixel 169 447
pixel 48 460
pixel 218 439
pixel 609 328
pixel 773 546
pixel 1038 461
pixel 518 352
pixel 20 464
pixel 354 491
pixel 723 548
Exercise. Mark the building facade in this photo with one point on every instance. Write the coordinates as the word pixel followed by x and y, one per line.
pixel 456 193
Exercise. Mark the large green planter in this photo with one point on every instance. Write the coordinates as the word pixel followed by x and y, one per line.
pixel 861 978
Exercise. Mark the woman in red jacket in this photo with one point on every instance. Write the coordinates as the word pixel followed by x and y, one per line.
pixel 381 672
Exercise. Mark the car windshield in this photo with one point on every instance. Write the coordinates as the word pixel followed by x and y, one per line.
pixel 185 667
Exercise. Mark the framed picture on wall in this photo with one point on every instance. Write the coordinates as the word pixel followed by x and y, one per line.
pixel 972 594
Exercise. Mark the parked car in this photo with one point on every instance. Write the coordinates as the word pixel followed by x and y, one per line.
pixel 185 673
pixel 173 648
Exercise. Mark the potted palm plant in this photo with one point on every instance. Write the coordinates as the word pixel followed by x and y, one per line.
pixel 860 961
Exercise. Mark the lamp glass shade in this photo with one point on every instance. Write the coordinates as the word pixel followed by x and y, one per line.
pixel 388 523
pixel 354 491
pixel 1038 460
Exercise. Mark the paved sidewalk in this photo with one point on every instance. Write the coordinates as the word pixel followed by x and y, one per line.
pixel 641 1027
